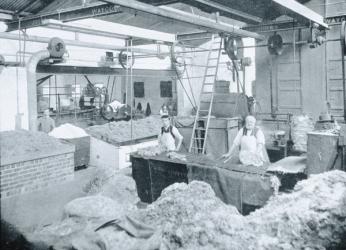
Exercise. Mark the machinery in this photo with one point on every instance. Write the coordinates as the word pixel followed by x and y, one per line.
pixel 96 98
pixel 115 111
pixel 93 97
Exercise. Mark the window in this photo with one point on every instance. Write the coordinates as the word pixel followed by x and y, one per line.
pixel 138 89
pixel 166 88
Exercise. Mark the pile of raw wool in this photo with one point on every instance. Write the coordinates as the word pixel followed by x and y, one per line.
pixel 68 131
pixel 311 217
pixel 121 131
pixel 117 186
pixel 190 216
pixel 301 125
pixel 24 144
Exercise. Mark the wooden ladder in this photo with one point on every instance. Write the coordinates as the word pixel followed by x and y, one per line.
pixel 200 129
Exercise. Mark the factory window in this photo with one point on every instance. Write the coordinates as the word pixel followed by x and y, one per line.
pixel 166 88
pixel 138 89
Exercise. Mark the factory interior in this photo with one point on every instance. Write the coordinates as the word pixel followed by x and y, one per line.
pixel 170 124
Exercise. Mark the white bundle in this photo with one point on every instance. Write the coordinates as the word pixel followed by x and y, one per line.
pixel 301 125
pixel 68 131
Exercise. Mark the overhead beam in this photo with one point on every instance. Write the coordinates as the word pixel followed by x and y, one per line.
pixel 122 31
pixel 242 16
pixel 70 14
pixel 274 26
pixel 302 11
pixel 65 15
pixel 184 18
pixel 4 16
pixel 194 36
pixel 12 12
pixel 63 69
pixel 186 37
pixel 40 39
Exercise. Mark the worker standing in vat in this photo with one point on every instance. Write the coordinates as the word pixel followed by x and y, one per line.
pixel 251 143
pixel 169 135
pixel 45 123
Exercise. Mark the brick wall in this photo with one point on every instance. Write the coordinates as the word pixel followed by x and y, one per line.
pixel 27 176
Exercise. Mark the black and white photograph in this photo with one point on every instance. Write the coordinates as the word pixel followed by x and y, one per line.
pixel 173 124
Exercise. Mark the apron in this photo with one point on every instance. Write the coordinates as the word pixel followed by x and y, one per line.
pixel 167 141
pixel 248 151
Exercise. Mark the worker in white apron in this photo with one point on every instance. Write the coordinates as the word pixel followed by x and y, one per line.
pixel 169 135
pixel 251 143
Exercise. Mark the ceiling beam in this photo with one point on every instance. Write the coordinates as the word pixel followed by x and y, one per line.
pixel 302 11
pixel 12 12
pixel 5 16
pixel 40 39
pixel 183 17
pixel 239 15
pixel 120 33
pixel 194 36
pixel 274 26
pixel 65 15
pixel 63 69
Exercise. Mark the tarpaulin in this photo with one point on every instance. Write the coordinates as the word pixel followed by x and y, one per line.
pixel 234 187
pixel 234 184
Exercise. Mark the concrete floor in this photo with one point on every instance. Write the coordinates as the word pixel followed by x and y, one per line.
pixel 43 207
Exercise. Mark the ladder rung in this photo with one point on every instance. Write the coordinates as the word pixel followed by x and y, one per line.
pixel 209 75
pixel 203 110
pixel 201 129
pixel 199 138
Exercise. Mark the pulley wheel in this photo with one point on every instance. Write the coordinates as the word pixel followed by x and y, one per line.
pixel 126 59
pixel 56 47
pixel 275 44
pixel 233 48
